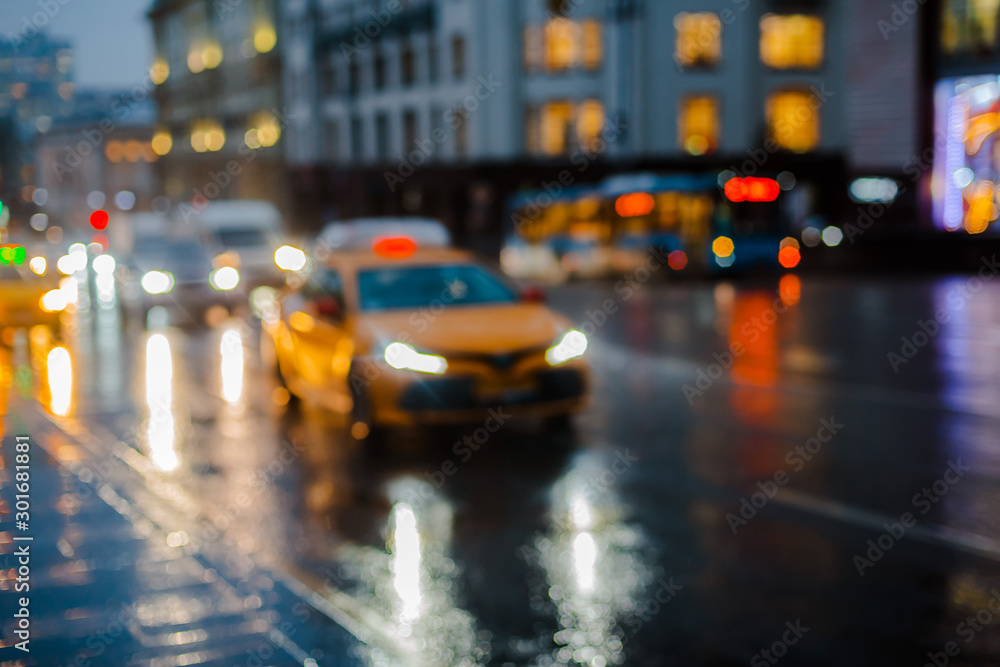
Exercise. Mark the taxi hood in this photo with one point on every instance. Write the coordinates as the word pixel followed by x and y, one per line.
pixel 468 329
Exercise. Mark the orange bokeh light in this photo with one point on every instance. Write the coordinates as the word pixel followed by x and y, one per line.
pixel 634 204
pixel 789 257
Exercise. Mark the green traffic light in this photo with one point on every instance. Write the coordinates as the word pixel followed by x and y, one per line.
pixel 5 255
pixel 18 255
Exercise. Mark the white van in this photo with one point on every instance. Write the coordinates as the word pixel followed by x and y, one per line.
pixel 244 234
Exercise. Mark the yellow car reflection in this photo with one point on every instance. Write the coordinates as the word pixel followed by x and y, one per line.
pixel 396 335
pixel 27 299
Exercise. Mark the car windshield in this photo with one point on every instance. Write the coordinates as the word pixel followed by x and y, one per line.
pixel 241 237
pixel 423 286
pixel 185 252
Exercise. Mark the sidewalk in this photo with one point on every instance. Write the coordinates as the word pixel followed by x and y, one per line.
pixel 109 587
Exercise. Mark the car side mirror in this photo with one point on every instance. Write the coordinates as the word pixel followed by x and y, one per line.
pixel 533 295
pixel 328 308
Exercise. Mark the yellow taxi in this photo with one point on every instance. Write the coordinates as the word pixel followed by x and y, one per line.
pixel 395 333
pixel 29 293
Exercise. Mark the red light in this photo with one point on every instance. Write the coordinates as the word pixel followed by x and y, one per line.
pixel 99 219
pixel 677 260
pixel 102 239
pixel 396 247
pixel 789 257
pixel 752 189
pixel 632 205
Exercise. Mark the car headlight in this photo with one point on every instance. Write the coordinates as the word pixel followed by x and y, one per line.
pixel 53 301
pixel 404 357
pixel 157 282
pixel 224 279
pixel 572 345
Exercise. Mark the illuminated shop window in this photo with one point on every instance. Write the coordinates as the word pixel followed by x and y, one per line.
pixel 791 41
pixel 562 44
pixel 699 39
pixel 793 120
pixel 698 124
pixel 969 25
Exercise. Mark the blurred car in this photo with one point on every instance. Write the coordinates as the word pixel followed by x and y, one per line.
pixel 177 273
pixel 28 298
pixel 398 334
pixel 243 235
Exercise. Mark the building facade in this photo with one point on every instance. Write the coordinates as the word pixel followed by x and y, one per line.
pixel 445 107
pixel 220 121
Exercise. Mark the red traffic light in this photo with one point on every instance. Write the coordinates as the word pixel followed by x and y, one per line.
pixel 99 219
pixel 752 189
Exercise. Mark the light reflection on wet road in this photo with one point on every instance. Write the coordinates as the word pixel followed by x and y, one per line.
pixel 772 410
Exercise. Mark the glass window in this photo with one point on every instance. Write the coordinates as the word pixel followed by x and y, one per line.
pixel 357 138
pixel 593 44
pixel 793 120
pixel 698 124
pixel 556 121
pixel 791 41
pixel 409 130
pixel 425 286
pixel 699 39
pixel 382 135
pixel 407 65
pixel 562 44
pixel 460 123
pixel 589 123
pixel 379 66
pixel 458 57
pixel 432 59
pixel 969 26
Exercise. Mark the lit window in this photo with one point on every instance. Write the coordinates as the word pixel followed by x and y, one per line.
pixel 556 120
pixel 969 25
pixel 532 135
pixel 793 120
pixel 699 38
pixel 791 41
pixel 593 44
pixel 698 125
pixel 562 44
pixel 589 123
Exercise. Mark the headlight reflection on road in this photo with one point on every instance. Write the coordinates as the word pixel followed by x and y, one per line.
pixel 59 373
pixel 405 562
pixel 231 349
pixel 160 432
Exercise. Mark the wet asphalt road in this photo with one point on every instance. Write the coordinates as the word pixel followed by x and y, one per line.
pixel 768 474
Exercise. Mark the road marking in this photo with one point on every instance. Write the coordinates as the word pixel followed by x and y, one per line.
pixel 937 535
